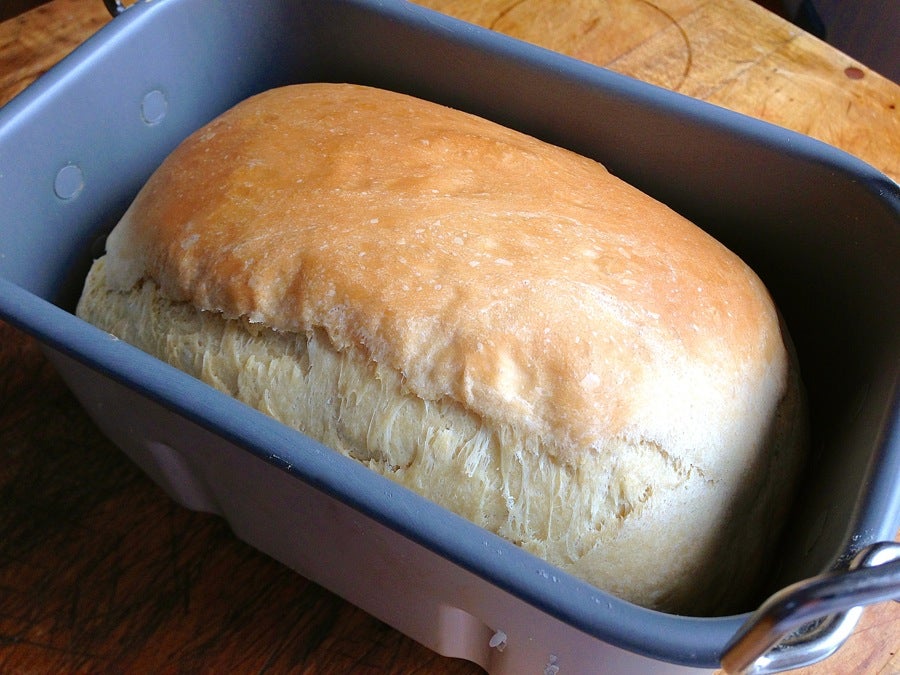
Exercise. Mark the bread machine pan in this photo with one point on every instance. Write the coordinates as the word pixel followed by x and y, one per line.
pixel 821 228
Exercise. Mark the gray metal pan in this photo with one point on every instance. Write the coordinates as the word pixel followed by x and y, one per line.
pixel 821 228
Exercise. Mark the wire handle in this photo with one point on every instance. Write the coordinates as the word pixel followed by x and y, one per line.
pixel 115 7
pixel 810 620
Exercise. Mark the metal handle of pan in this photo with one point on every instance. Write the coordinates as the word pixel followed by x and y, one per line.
pixel 115 7
pixel 810 620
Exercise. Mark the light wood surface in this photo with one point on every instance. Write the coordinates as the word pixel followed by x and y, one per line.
pixel 729 52
pixel 100 572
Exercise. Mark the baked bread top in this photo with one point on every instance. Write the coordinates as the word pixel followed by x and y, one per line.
pixel 517 278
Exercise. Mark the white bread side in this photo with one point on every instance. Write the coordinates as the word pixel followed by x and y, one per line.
pixel 497 323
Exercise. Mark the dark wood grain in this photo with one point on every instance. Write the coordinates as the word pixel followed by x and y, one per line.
pixel 101 572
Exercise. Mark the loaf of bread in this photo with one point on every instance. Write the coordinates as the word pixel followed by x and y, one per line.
pixel 497 323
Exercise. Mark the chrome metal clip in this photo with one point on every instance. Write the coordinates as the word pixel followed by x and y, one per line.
pixel 115 7
pixel 810 620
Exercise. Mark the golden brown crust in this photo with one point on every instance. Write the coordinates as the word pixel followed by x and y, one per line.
pixel 515 277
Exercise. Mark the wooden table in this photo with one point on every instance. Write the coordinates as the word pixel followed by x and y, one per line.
pixel 99 571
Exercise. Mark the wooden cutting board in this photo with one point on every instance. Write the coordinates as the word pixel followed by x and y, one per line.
pixel 99 571
pixel 729 52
